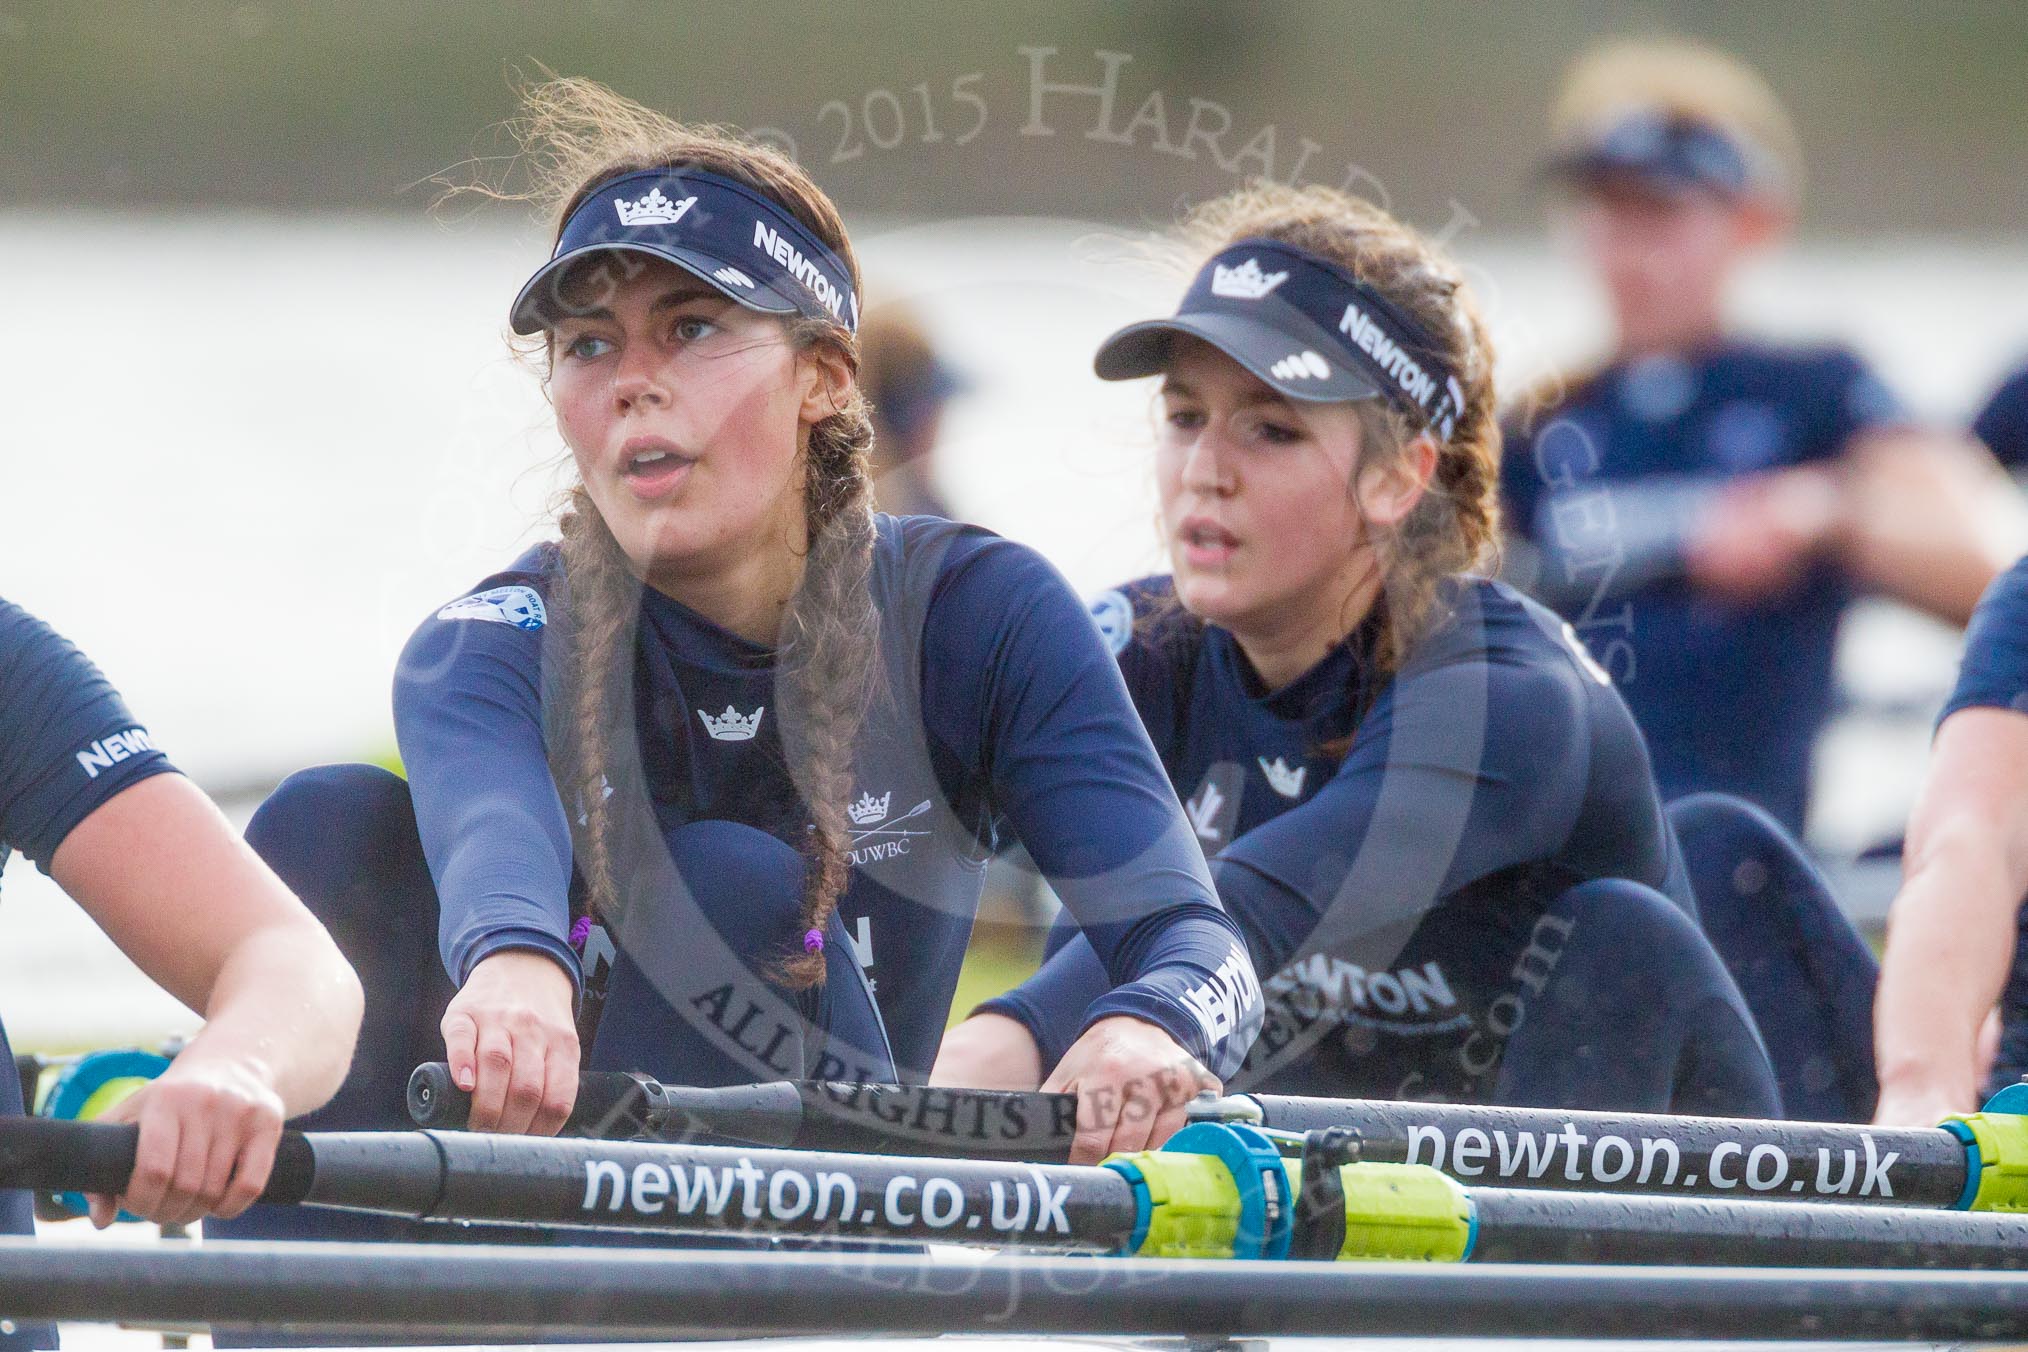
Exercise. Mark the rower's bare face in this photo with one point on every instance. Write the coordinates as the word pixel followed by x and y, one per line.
pixel 1258 511
pixel 687 414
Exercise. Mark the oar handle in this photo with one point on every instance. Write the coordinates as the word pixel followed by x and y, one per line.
pixel 50 1155
pixel 609 1103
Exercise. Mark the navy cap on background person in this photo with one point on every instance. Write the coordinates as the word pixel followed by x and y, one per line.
pixel 1663 152
pixel 1672 117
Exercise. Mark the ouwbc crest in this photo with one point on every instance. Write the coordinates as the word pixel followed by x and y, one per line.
pixel 1245 282
pixel 1285 779
pixel 869 809
pixel 732 725
pixel 653 208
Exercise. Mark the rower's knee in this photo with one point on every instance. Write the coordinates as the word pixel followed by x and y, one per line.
pixel 343 838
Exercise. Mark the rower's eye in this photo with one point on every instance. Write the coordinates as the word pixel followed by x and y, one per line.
pixel 1185 419
pixel 586 347
pixel 693 328
pixel 1278 433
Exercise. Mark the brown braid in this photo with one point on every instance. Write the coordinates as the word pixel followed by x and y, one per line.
pixel 576 135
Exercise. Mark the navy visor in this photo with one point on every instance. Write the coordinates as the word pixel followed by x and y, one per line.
pixel 1302 326
pixel 722 232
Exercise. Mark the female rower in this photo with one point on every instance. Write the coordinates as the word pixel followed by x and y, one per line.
pixel 87 796
pixel 756 738
pixel 1431 814
pixel 1957 940
pixel 1704 506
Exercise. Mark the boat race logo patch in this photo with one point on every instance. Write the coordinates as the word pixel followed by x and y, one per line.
pixel 1113 613
pixel 519 606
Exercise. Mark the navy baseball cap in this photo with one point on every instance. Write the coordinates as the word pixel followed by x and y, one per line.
pixel 1669 152
pixel 1302 326
pixel 741 242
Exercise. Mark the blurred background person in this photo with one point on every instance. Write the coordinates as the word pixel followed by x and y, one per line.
pixel 1703 505
pixel 908 384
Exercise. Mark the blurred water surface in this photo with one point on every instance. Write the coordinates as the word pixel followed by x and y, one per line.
pixel 241 457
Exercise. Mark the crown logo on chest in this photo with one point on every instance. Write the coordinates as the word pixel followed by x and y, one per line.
pixel 869 809
pixel 1283 778
pixel 732 725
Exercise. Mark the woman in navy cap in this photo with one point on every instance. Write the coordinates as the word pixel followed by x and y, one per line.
pixel 1426 806
pixel 705 789
pixel 90 799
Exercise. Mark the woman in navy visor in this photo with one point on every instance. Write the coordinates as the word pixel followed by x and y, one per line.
pixel 705 788
pixel 1427 809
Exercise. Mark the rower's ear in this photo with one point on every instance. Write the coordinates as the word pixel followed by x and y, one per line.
pixel 825 378
pixel 1389 490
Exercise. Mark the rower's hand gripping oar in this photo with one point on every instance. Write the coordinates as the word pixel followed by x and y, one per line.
pixel 53 1155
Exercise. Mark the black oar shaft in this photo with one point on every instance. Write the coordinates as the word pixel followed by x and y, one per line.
pixel 709 1190
pixel 615 1185
pixel 886 1119
pixel 1518 1225
pixel 476 1293
pixel 1731 1158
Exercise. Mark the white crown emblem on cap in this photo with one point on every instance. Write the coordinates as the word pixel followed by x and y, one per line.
pixel 732 276
pixel 1304 365
pixel 732 725
pixel 869 809
pixel 653 209
pixel 1245 282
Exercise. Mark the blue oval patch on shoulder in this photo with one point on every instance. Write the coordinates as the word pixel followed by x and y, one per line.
pixel 519 606
pixel 1113 613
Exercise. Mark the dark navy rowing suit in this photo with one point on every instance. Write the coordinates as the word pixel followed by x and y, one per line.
pixel 2003 423
pixel 998 710
pixel 1605 485
pixel 1994 675
pixel 1446 902
pixel 67 744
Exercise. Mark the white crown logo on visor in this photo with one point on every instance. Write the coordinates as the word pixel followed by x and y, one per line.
pixel 732 276
pixel 1245 282
pixel 653 209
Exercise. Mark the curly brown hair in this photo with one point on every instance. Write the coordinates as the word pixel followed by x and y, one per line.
pixel 1455 527
pixel 574 136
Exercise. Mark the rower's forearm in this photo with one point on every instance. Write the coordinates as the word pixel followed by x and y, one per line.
pixel 1930 520
pixel 287 1003
pixel 1947 959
